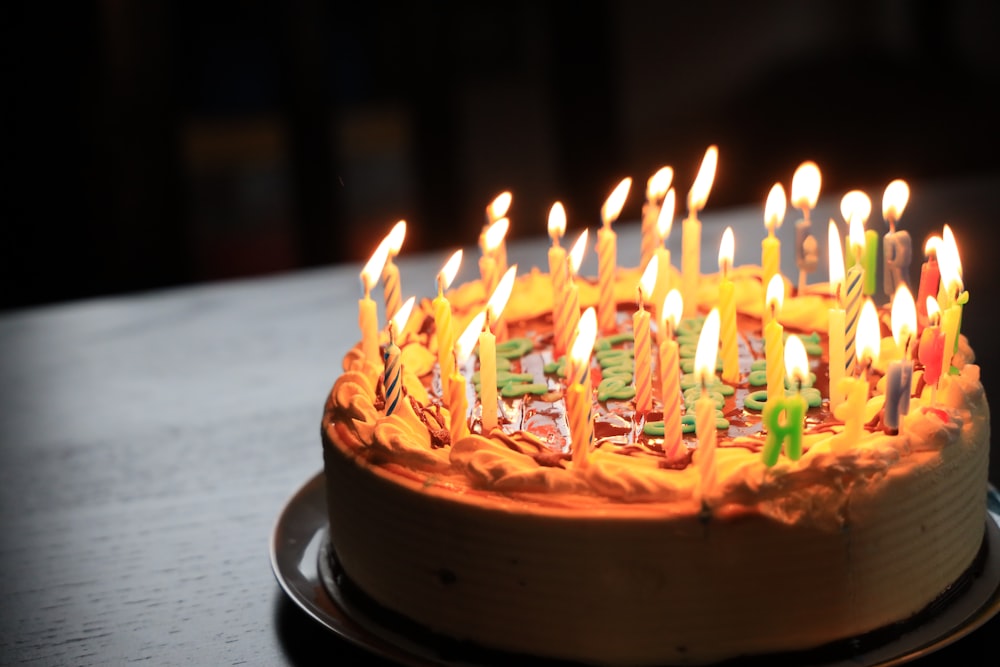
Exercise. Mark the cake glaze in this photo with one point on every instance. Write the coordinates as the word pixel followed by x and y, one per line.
pixel 500 540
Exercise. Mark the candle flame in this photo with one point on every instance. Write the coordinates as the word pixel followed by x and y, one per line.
pixel 856 204
pixel 495 234
pixel 395 237
pixel 673 309
pixel 659 183
pixel 499 206
pixel 894 199
pixel 577 251
pixel 856 235
pixel 867 337
pixel 727 248
pixel 950 263
pixel 448 272
pixel 806 183
pixel 836 258
pixel 557 221
pixel 775 295
pixel 615 201
pixel 706 354
pixel 774 208
pixel 501 294
pixel 648 280
pixel 904 317
pixel 402 316
pixel 466 343
pixel 796 361
pixel 373 269
pixel 703 181
pixel 932 245
pixel 933 310
pixel 583 344
pixel 665 220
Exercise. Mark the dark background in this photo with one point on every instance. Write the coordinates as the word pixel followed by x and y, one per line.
pixel 158 143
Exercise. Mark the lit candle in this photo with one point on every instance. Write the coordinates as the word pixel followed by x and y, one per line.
pixel 899 374
pixel 390 272
pixel 579 402
pixel 691 231
pixel 897 248
pixel 607 257
pixel 488 350
pixel 489 267
pixel 854 289
pixel 570 314
pixel 558 272
pixel 954 295
pixel 663 224
pixel 774 215
pixel 836 333
pixel 656 188
pixel 367 311
pixel 805 192
pixel 643 342
pixel 670 380
pixel 458 402
pixel 857 388
pixel 392 375
pixel 930 278
pixel 774 340
pixel 785 417
pixel 442 320
pixel 727 310
pixel 704 369
pixel 932 346
pixel 856 205
pixel 496 210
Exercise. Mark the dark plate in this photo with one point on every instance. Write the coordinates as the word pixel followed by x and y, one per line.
pixel 299 546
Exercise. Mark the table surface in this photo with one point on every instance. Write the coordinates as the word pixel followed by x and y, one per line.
pixel 148 443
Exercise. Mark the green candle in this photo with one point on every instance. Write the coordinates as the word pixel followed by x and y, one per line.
pixel 784 417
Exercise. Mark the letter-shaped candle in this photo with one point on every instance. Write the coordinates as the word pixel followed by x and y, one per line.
pixel 785 417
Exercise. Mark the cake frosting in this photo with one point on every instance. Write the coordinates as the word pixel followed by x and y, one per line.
pixel 500 539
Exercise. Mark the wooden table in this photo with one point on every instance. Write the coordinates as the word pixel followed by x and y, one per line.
pixel 148 442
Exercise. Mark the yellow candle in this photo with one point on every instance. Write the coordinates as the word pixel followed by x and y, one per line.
pixel 496 210
pixel 954 295
pixel 579 404
pixel 489 268
pixel 774 215
pixel 727 310
pixel 774 340
pixel 853 295
pixel 442 320
pixel 656 188
pixel 607 257
pixel 488 350
pixel 669 366
pixel 367 311
pixel 643 341
pixel 558 273
pixel 390 272
pixel 836 318
pixel 857 206
pixel 691 231
pixel 663 224
pixel 705 359
pixel 569 314
pixel 852 412
pixel 458 403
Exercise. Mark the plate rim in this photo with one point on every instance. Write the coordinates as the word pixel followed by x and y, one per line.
pixel 303 593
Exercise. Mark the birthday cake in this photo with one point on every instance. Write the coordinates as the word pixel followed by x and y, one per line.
pixel 619 546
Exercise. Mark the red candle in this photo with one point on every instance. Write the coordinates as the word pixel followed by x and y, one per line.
pixel 930 278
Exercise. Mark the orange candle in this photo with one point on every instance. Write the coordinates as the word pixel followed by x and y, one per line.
pixel 390 273
pixel 458 402
pixel 656 189
pixel 607 257
pixel 670 381
pixel 579 403
pixel 691 231
pixel 367 311
pixel 570 314
pixel 705 359
pixel 442 319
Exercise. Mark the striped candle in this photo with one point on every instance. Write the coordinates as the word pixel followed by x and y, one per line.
pixel 607 258
pixel 705 360
pixel 579 405
pixel 656 188
pixel 836 325
pixel 643 345
pixel 853 292
pixel 393 372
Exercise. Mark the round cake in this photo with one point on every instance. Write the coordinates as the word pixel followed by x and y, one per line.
pixel 632 553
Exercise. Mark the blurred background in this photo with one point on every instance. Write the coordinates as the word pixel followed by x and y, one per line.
pixel 159 143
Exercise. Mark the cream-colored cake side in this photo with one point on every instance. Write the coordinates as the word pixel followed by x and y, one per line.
pixel 620 562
